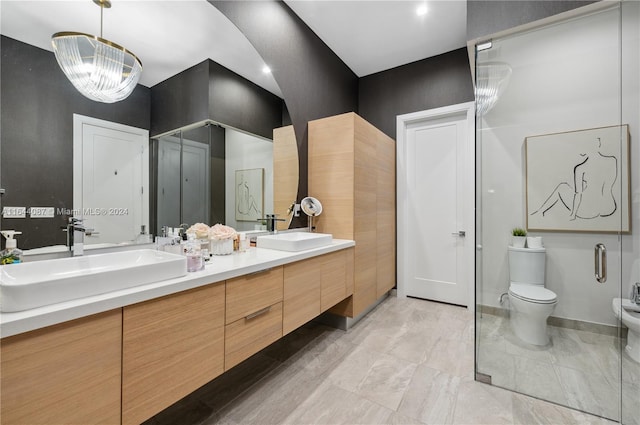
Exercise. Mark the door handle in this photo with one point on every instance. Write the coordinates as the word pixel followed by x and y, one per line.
pixel 460 233
pixel 600 262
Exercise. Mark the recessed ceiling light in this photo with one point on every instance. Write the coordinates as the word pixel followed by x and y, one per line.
pixel 422 10
pixel 266 69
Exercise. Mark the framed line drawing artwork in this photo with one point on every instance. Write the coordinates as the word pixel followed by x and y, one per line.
pixel 249 194
pixel 578 181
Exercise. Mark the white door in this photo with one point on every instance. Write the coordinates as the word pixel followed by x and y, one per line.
pixel 437 221
pixel 111 179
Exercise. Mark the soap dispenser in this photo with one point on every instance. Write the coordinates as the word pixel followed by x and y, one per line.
pixel 11 254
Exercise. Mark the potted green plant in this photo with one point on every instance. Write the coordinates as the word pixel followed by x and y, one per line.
pixel 519 236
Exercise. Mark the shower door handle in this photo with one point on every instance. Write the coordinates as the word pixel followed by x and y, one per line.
pixel 460 233
pixel 600 262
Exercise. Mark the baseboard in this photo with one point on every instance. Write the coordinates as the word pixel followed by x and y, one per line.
pixel 561 322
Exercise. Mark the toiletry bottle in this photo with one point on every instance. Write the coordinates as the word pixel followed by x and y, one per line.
pixel 193 252
pixel 244 242
pixel 11 254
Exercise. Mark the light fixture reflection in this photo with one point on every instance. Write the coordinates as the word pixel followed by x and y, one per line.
pixel 422 10
pixel 98 68
pixel 492 79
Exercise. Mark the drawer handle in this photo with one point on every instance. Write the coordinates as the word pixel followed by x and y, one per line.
pixel 258 272
pixel 258 313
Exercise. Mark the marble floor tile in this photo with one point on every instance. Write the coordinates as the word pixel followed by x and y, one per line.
pixel 386 381
pixel 452 356
pixel 400 419
pixel 630 403
pixel 272 399
pixel 333 405
pixel 569 351
pixel 321 356
pixel 414 345
pixel 498 364
pixel 225 388
pixel 515 346
pixel 410 361
pixel 630 369
pixel 383 337
pixel 531 411
pixel 482 404
pixel 353 368
pixel 590 392
pixel 538 379
pixel 430 397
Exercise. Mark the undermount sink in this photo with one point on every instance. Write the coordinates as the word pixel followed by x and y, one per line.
pixel 35 284
pixel 294 241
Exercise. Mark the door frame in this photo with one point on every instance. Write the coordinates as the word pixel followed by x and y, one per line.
pixel 402 122
pixel 78 123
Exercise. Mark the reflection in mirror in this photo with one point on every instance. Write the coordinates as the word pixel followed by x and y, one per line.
pixel 38 104
pixel 199 177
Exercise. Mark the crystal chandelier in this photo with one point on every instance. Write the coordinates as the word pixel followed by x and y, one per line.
pixel 492 79
pixel 99 69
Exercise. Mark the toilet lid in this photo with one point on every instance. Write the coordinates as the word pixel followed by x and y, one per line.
pixel 532 293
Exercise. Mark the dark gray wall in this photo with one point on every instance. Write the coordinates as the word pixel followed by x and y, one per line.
pixel 237 102
pixel 430 83
pixel 180 100
pixel 315 83
pixel 211 91
pixel 36 135
pixel 485 17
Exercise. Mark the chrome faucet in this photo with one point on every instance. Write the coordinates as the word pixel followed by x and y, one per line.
pixel 75 235
pixel 271 222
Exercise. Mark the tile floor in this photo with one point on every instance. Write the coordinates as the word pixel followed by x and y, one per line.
pixel 407 362
pixel 578 369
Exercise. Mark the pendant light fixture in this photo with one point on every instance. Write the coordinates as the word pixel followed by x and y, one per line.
pixel 98 68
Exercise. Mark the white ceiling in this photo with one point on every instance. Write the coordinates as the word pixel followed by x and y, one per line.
pixel 372 36
pixel 170 36
pixel 167 36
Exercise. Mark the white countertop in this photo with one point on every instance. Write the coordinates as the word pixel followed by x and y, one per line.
pixel 220 268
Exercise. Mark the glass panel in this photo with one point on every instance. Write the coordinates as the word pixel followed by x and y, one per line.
pixel 196 175
pixel 168 181
pixel 551 160
pixel 630 376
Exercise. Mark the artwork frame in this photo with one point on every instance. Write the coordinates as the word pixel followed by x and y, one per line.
pixel 249 194
pixel 579 181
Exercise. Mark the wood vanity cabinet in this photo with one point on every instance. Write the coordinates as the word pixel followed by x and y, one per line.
pixel 66 373
pixel 171 346
pixel 352 172
pixel 253 314
pixel 301 293
pixel 312 286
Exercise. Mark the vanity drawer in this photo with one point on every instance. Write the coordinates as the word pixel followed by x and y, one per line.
pixel 253 292
pixel 252 333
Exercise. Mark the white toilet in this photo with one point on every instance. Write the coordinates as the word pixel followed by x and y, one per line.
pixel 629 314
pixel 530 302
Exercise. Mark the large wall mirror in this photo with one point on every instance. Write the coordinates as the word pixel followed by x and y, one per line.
pixel 208 108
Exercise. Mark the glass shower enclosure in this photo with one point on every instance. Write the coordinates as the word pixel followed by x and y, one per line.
pixel 557 153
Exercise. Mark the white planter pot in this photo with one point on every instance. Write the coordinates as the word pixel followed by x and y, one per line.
pixel 518 241
pixel 221 246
